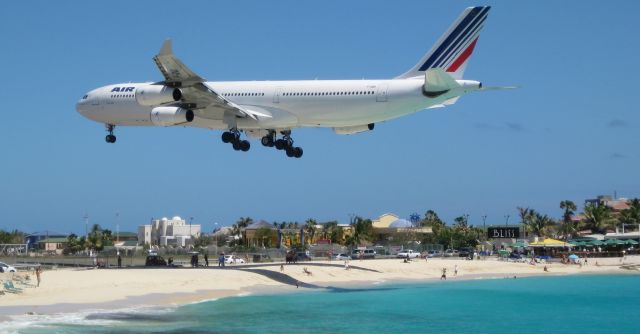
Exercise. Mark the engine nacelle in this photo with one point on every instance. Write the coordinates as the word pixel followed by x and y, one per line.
pixel 168 116
pixel 153 95
pixel 349 130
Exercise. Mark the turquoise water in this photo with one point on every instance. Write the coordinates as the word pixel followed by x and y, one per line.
pixel 563 304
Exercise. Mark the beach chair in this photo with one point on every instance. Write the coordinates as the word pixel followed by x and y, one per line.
pixel 8 286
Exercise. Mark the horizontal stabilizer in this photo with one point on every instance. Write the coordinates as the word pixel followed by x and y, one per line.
pixel 498 88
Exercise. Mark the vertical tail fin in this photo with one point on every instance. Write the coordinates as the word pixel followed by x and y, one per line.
pixel 453 49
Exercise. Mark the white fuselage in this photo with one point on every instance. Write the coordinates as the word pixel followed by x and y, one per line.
pixel 291 104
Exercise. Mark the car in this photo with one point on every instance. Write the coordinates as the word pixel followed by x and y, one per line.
pixel 233 259
pixel 434 253
pixel 5 268
pixel 341 257
pixel 451 252
pixel 408 254
pixel 155 260
pixel 363 254
pixel 466 252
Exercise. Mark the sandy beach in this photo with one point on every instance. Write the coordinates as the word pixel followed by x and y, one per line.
pixel 69 290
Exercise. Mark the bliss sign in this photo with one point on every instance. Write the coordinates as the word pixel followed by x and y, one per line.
pixel 503 232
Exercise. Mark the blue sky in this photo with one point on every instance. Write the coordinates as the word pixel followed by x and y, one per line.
pixel 570 132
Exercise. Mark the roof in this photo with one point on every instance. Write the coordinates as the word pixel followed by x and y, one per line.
pixel 258 225
pixel 619 205
pixel 54 240
pixel 400 223
pixel 129 243
pixel 48 233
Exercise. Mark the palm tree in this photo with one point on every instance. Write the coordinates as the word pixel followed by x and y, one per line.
pixel 525 216
pixel 538 224
pixel 597 217
pixel 632 214
pixel 310 229
pixel 569 228
pixel 362 231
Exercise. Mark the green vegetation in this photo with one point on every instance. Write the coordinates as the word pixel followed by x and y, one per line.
pixel 13 237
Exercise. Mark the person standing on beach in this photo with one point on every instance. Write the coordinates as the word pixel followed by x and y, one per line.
pixel 206 259
pixel 455 270
pixel 38 274
pixel 444 274
pixel 119 261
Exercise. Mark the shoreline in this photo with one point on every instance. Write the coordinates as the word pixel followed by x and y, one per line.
pixel 70 290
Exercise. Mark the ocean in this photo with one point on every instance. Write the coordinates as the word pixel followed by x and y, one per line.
pixel 559 304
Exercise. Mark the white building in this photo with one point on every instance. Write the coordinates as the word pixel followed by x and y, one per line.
pixel 163 232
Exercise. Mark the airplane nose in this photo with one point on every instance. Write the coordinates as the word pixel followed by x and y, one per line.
pixel 81 108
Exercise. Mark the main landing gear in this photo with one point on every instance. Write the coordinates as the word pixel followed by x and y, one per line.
pixel 233 136
pixel 285 143
pixel 110 138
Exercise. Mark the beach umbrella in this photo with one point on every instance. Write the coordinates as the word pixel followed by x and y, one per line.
pixel 550 243
pixel 596 243
pixel 578 243
pixel 612 242
pixel 573 257
pixel 631 242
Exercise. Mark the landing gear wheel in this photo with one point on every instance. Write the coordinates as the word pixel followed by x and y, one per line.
pixel 110 138
pixel 267 141
pixel 236 145
pixel 227 137
pixel 290 152
pixel 297 152
pixel 244 145
pixel 280 144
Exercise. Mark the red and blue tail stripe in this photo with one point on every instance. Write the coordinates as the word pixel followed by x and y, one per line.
pixel 455 47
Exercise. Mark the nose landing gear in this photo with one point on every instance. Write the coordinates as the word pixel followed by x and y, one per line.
pixel 110 138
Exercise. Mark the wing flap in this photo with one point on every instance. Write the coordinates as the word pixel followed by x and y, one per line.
pixel 196 93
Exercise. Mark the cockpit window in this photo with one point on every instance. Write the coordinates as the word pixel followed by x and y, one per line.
pixel 85 97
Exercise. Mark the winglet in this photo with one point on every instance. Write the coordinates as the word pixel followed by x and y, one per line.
pixel 166 48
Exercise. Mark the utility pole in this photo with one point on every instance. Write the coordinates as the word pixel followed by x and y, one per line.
pixel 117 227
pixel 86 225
pixel 484 221
pixel 190 235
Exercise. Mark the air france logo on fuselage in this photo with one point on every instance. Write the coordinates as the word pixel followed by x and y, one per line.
pixel 122 89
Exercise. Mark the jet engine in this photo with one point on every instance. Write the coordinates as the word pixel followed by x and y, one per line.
pixel 153 95
pixel 349 130
pixel 168 116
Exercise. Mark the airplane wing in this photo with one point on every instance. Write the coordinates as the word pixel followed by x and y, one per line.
pixel 196 94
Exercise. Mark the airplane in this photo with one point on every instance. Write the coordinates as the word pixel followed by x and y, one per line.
pixel 271 109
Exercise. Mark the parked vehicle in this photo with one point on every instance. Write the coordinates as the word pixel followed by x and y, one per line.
pixel 434 253
pixel 233 259
pixel 451 252
pixel 5 268
pixel 155 260
pixel 466 252
pixel 341 257
pixel 408 254
pixel 363 254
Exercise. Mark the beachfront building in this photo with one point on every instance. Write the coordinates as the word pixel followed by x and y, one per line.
pixel 389 227
pixel 32 240
pixel 165 232
pixel 53 245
